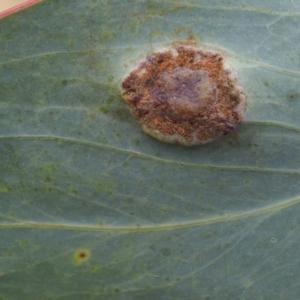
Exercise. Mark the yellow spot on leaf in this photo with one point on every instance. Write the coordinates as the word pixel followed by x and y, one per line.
pixel 81 256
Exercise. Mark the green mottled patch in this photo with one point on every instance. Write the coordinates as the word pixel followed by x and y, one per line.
pixel 5 189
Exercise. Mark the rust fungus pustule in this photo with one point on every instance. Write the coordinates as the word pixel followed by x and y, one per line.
pixel 185 95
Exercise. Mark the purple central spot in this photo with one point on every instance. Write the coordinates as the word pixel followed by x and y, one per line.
pixel 183 92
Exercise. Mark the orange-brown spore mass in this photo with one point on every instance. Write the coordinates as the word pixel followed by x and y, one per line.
pixel 185 95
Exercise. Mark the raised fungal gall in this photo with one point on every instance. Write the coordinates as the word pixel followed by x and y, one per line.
pixel 185 95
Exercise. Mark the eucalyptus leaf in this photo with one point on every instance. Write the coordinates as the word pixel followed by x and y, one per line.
pixel 92 208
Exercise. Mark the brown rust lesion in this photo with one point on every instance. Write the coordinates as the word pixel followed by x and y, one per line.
pixel 184 95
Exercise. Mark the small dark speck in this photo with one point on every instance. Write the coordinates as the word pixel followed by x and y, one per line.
pixel 293 97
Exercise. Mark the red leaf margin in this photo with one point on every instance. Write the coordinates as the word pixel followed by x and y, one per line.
pixel 17 8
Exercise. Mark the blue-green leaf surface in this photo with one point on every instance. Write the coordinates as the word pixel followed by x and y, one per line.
pixel 92 208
